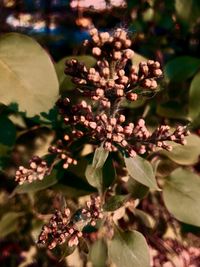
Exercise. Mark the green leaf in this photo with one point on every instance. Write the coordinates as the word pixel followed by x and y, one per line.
pixel 165 167
pixel 109 173
pixel 72 192
pixel 142 171
pixel 72 185
pixel 129 249
pixel 103 177
pixel 172 110
pixel 62 251
pixel 181 196
pixel 94 176
pixel 98 253
pixel 184 155
pixel 9 223
pixel 114 202
pixel 94 171
pixel 27 75
pixel 181 68
pixel 65 80
pixel 188 10
pixel 194 97
pixel 100 156
pixel 8 131
pixel 136 189
pixel 36 185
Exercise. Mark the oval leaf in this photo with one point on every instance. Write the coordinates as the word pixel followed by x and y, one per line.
pixel 181 68
pixel 187 154
pixel 94 176
pixel 94 171
pixel 109 173
pixel 181 196
pixel 142 171
pixel 194 97
pixel 114 202
pixel 98 253
pixel 27 75
pixel 100 156
pixel 129 249
pixel 136 189
pixel 72 185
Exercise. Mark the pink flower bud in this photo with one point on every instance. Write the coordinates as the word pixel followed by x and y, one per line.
pixel 118 45
pixel 132 153
pixel 128 54
pixel 100 92
pixel 124 143
pixel 127 43
pixel 117 55
pixel 153 84
pixel 120 92
pixel 96 51
pixel 131 96
pixel 113 121
pixel 93 31
pixel 92 125
pixel 122 118
pixel 157 72
pixel 66 137
pixel 84 104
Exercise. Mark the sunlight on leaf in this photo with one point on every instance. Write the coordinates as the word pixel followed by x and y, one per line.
pixel 27 75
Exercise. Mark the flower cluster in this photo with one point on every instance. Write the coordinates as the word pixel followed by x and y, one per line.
pixel 107 84
pixel 62 153
pixel 110 80
pixel 37 170
pixel 114 133
pixel 64 227
pixel 183 256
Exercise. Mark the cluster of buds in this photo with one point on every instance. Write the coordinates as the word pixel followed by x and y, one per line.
pixel 182 256
pixel 37 170
pixel 93 210
pixel 62 153
pixel 115 134
pixel 58 230
pixel 110 80
pixel 64 227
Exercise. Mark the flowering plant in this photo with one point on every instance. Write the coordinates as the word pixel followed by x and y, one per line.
pixel 98 120
pixel 100 149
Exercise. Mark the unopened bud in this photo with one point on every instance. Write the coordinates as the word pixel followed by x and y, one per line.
pixel 128 54
pixel 117 55
pixel 96 51
pixel 131 96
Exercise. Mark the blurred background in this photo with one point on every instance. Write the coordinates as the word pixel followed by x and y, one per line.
pixel 163 30
pixel 160 28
